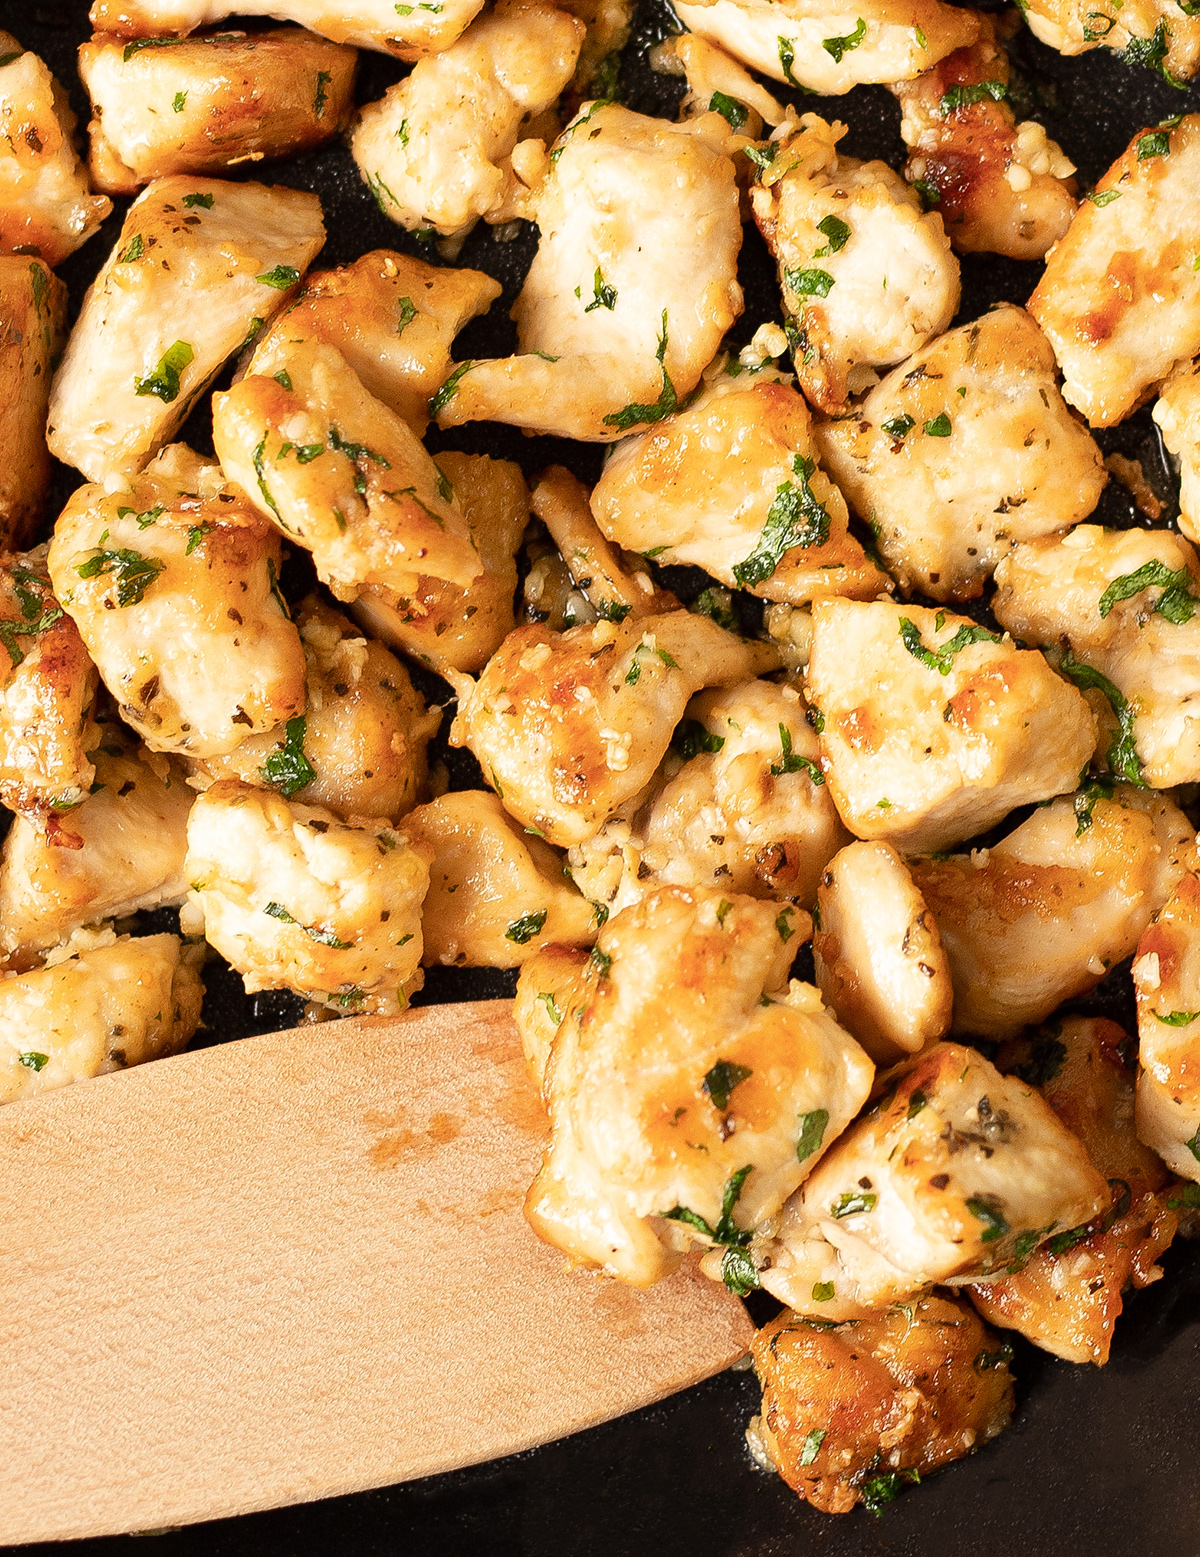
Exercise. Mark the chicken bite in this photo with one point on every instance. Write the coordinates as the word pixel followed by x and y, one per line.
pixel 497 894
pixel 732 484
pixel 111 1006
pixel 852 1411
pixel 1044 914
pixel 142 351
pixel 1177 412
pixel 690 1089
pixel 880 964
pixel 173 587
pixel 46 208
pixel 716 81
pixel 867 278
pixel 1119 300
pixel 633 286
pixel 440 149
pixel 932 728
pixel 961 452
pixel 199 105
pixel 1157 33
pixel 545 990
pixel 359 746
pixel 339 472
pixel 954 1173
pixel 33 313
pixel 1166 979
pixel 295 899
pixel 1118 609
pixel 570 726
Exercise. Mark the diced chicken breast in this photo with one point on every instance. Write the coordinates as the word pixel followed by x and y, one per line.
pixel 172 584
pixel 1119 300
pixel 143 349
pixel 46 208
pixel 690 1089
pixel 33 313
pixel 339 472
pixel 1177 412
pixel 103 1010
pixel 609 24
pixel 867 278
pixel 1043 915
pixel 296 899
pixel 954 1173
pixel 569 726
pixel 933 729
pixel 709 71
pixel 440 148
pixel 732 484
pixel 880 964
pixel 199 105
pixel 1118 607
pixel 1159 33
pixel 632 288
pixel 545 990
pixel 1166 978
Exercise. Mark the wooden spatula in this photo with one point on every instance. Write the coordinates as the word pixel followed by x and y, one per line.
pixel 297 1266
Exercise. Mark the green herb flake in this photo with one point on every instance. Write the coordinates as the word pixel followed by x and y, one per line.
pixel 898 428
pixel 132 572
pixel 1152 54
pixel 787 58
pixel 1194 1145
pixel 180 102
pixel 547 999
pixel 783 925
pixel 634 414
pixel 196 534
pixel 852 1203
pixel 795 518
pixel 324 77
pixel 916 1103
pixel 164 381
pixel 32 1060
pixel 939 427
pixel 1122 757
pixel 822 1292
pixel 1104 197
pixel 603 296
pixel 523 930
pixel 729 108
pixel 1064 1241
pixel 931 195
pixel 406 313
pixel 722 1079
pixel 257 461
pixel 204 201
pixel 813 1440
pixel 136 249
pixel 314 932
pixel 281 277
pixel 738 1272
pixel 288 769
pixel 812 1133
pixel 449 389
pixel 986 1209
pixel 691 738
pixel 837 235
pixel 1177 602
pixel 960 97
pixel 809 283
pixel 1176 1018
pixel 726 1231
pixel 941 659
pixel 793 762
pixel 986 1361
pixel 878 1491
pixel 836 47
pixel 601 961
pixel 1188 1199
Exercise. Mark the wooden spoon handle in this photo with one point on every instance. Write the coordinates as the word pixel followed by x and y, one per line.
pixel 296 1266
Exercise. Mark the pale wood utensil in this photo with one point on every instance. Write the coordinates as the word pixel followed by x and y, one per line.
pixel 296 1266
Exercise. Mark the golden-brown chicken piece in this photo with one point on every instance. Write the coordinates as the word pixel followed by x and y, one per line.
pixel 339 472
pixel 143 348
pixel 545 988
pixel 200 105
pixel 1043 915
pixel 867 278
pixel 46 208
pixel 33 314
pixel 1067 1297
pixel 1000 187
pixel 1119 300
pixel 690 1089
pixel 1118 607
pixel 497 894
pixel 633 286
pixel 1177 412
pixel 1166 977
pixel 955 1172
pixel 880 963
pixel 392 317
pixel 296 899
pixel 359 746
pixel 1157 33
pixel 115 1004
pixel 172 584
pixel 932 728
pixel 569 726
pixel 851 1412
pixel 732 484
pixel 961 452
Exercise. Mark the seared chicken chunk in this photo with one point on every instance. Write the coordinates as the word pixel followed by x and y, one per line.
pixel 1166 977
pixel 1119 300
pixel 690 1089
pixel 1043 915
pixel 33 312
pixel 851 1412
pixel 1000 187
pixel 115 1005
pixel 173 586
pixel 867 278
pixel 570 726
pixel 440 149
pixel 339 472
pixel 46 208
pixel 933 729
pixel 961 452
pixel 732 484
pixel 497 894
pixel 632 288
pixel 880 964
pixel 144 348
pixel 359 747
pixel 545 989
pixel 954 1173
pixel 823 46
pixel 1160 29
pixel 1067 1297
pixel 199 105
pixel 296 899
pixel 1177 412
pixel 392 317
pixel 709 71
pixel 1119 606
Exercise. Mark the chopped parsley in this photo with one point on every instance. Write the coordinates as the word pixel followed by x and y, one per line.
pixel 717 604
pixel 145 519
pixel 281 277
pixel 634 673
pixel 930 194
pixel 722 1079
pixel 691 738
pixel 314 932
pixel 729 108
pixel 196 534
pixel 738 1272
pixel 1188 1199
pixel 852 1203
pixel 959 97
pixel 986 1209
pixel 204 201
pixel 32 625
pixel 288 769
pixel 787 58
pixel 836 47
pixel 837 235
pixel 793 762
pixel 916 1103
pixel 878 1491
pixel 136 249
pixel 358 454
pixel 1177 602
pixel 32 1060
pixel 1176 1018
pixel 795 518
pixel 986 1361
pixel 1104 196
pixel 813 1440
pixel 604 296
pixel 1152 53
pixel 600 960
pixel 164 381
pixel 449 389
pixel 324 77
pixel 899 427
pixel 822 1292
pixel 939 427
pixel 133 573
pixel 726 1231
pixel 668 401
pixel 783 924
pixel 812 1133
pixel 941 659
pixel 523 930
pixel 809 283
pixel 1122 757
pixel 406 314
